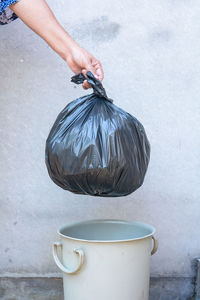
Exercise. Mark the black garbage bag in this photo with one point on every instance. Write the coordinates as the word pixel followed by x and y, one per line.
pixel 96 148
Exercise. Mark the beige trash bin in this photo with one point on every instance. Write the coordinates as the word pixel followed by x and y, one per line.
pixel 105 259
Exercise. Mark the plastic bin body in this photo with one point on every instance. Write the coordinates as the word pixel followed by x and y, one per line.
pixel 105 259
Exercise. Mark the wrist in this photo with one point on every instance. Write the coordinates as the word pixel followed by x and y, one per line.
pixel 60 41
pixel 65 46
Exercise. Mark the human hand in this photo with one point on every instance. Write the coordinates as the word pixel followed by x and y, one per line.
pixel 45 25
pixel 80 61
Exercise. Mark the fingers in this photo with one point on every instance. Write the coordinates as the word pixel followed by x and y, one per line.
pixel 98 70
pixel 85 84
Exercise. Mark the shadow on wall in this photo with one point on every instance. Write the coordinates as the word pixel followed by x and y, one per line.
pixel 97 30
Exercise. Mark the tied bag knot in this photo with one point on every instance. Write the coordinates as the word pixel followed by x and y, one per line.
pixel 94 82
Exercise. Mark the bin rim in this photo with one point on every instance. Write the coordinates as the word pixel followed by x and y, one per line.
pixel 129 222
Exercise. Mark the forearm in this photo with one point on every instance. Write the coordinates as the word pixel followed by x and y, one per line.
pixel 39 17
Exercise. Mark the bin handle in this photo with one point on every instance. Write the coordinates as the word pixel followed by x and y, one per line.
pixel 155 246
pixel 67 270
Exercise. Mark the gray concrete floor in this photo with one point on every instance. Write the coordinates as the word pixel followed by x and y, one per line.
pixel 52 289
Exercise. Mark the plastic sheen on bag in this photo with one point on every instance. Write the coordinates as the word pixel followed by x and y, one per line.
pixel 96 148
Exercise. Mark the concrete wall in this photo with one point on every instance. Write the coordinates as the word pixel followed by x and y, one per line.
pixel 150 53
